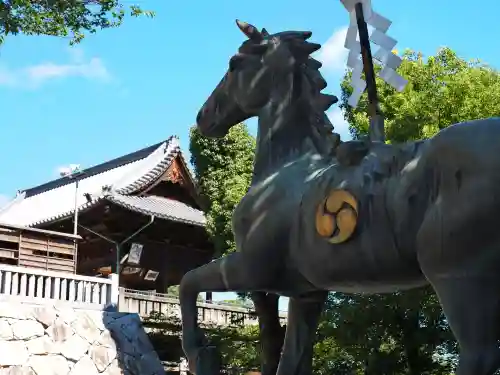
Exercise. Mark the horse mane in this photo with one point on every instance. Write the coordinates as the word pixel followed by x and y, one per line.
pixel 301 50
pixel 322 102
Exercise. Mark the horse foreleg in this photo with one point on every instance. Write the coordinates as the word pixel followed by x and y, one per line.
pixel 235 272
pixel 272 333
pixel 303 317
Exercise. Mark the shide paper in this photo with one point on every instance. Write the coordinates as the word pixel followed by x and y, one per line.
pixel 382 57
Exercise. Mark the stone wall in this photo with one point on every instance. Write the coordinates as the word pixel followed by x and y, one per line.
pixel 55 340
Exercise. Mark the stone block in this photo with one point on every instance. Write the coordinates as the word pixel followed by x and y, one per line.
pixel 27 329
pixel 13 310
pixel 102 356
pixel 59 331
pixel 113 369
pixel 5 330
pixel 36 340
pixel 66 314
pixel 41 345
pixel 86 328
pixel 97 317
pixel 84 366
pixel 74 348
pixel 20 370
pixel 13 353
pixel 45 315
pixel 49 364
pixel 106 340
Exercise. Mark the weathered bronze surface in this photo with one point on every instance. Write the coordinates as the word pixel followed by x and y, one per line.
pixel 357 216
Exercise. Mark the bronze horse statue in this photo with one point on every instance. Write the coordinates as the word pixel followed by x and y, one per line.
pixel 323 215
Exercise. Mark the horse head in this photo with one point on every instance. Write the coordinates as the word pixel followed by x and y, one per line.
pixel 252 80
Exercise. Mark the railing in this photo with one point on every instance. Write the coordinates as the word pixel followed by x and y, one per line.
pixel 146 303
pixel 35 286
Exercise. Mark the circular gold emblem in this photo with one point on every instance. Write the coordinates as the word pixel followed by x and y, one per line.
pixel 337 216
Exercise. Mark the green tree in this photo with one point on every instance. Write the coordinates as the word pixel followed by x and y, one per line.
pixel 399 333
pixel 443 89
pixel 63 18
pixel 238 344
pixel 223 169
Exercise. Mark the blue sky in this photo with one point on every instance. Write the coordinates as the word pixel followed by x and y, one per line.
pixel 126 88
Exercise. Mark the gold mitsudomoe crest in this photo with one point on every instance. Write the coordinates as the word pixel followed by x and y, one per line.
pixel 337 216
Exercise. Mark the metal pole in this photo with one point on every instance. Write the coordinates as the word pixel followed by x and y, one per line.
pixel 151 220
pixel 117 244
pixel 376 119
pixel 75 220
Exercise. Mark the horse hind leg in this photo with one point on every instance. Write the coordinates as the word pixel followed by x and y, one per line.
pixel 303 316
pixel 272 334
pixel 471 305
pixel 458 247
pixel 469 292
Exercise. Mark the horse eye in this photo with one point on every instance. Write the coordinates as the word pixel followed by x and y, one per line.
pixel 235 62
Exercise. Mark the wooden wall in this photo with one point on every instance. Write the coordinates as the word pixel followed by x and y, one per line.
pixel 35 248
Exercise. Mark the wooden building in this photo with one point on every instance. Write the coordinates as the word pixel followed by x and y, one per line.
pixel 38 248
pixel 139 213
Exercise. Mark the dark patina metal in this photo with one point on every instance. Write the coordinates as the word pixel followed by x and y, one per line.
pixel 368 217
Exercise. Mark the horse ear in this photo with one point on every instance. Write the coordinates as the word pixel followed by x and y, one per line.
pixel 264 33
pixel 249 30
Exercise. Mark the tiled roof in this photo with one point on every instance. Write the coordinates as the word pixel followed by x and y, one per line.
pixel 125 175
pixel 163 208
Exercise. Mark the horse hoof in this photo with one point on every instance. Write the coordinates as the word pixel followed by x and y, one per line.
pixel 207 361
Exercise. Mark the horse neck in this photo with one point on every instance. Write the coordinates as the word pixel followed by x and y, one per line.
pixel 285 134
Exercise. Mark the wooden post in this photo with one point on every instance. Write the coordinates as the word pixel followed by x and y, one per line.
pixel 377 133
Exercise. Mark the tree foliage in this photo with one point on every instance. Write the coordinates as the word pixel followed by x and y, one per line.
pixel 443 89
pixel 400 333
pixel 223 169
pixel 63 18
pixel 238 344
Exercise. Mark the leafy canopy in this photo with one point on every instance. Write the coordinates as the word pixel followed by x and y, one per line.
pixel 443 89
pixel 63 18
pixel 223 169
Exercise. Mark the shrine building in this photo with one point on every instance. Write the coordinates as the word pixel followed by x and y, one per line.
pixel 139 213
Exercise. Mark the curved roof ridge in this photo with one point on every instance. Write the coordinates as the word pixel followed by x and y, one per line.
pixel 152 168
pixel 126 174
pixel 96 169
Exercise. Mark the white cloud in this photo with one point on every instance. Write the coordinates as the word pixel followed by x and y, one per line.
pixel 36 75
pixel 333 54
pixel 341 126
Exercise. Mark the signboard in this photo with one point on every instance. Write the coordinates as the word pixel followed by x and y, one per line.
pixel 134 256
pixel 151 275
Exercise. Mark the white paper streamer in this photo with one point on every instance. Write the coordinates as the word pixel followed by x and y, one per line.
pixel 382 57
pixel 392 78
pixel 379 22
